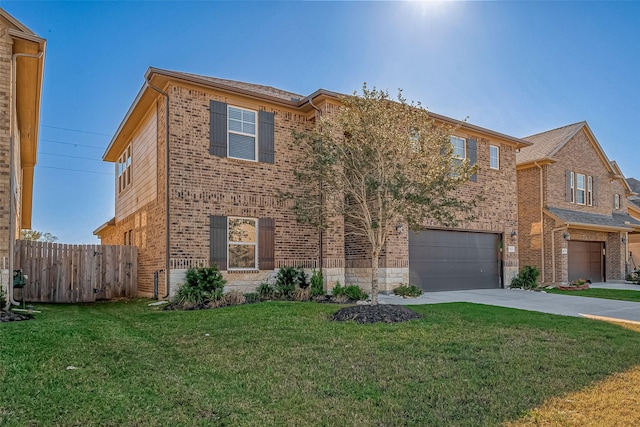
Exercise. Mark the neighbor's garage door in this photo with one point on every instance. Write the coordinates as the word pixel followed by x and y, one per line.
pixel 441 260
pixel 585 261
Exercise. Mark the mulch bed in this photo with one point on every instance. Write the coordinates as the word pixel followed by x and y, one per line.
pixel 10 316
pixel 386 313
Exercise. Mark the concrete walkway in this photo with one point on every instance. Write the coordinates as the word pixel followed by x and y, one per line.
pixel 567 305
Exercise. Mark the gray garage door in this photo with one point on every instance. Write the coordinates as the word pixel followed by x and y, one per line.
pixel 441 260
pixel 585 261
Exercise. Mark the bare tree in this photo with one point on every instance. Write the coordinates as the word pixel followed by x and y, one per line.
pixel 38 236
pixel 378 162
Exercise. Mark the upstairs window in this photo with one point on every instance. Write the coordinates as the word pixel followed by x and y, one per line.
pixel 242 133
pixel 580 189
pixel 494 157
pixel 573 188
pixel 123 169
pixel 590 190
pixel 459 147
pixel 616 201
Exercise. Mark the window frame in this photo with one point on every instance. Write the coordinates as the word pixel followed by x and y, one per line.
pixel 254 244
pixel 581 190
pixel 245 134
pixel 464 147
pixel 123 169
pixel 589 190
pixel 616 201
pixel 572 180
pixel 497 157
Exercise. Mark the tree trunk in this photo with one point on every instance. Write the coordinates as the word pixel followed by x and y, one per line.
pixel 374 278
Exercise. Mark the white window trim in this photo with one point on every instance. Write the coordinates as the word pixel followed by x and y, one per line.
pixel 497 167
pixel 590 190
pixel 255 137
pixel 583 189
pixel 464 146
pixel 123 169
pixel 254 244
pixel 616 201
pixel 573 187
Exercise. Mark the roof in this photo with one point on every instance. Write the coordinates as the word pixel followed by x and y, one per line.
pixel 579 219
pixel 634 184
pixel 547 144
pixel 161 78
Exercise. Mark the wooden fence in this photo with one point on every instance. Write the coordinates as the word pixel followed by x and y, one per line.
pixel 76 273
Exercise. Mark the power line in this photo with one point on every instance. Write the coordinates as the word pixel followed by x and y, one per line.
pixel 74 170
pixel 71 143
pixel 75 130
pixel 71 157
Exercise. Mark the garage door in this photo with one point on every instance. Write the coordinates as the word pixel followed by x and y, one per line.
pixel 441 260
pixel 585 261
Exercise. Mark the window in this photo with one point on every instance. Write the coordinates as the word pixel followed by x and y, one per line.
pixel 459 151
pixel 580 189
pixel 590 191
pixel 128 237
pixel 123 169
pixel 242 243
pixel 242 133
pixel 494 157
pixel 572 181
pixel 616 201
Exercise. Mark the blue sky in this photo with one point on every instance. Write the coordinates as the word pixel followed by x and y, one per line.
pixel 514 67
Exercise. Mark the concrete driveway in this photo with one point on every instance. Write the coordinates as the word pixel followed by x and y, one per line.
pixel 566 305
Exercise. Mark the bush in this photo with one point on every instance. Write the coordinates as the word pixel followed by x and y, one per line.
pixel 527 278
pixel 634 276
pixel 265 291
pixel 288 279
pixel 202 285
pixel 3 298
pixel 407 291
pixel 252 297
pixel 317 283
pixel 352 292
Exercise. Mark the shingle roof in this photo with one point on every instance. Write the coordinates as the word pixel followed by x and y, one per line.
pixel 546 144
pixel 634 184
pixel 616 220
pixel 251 87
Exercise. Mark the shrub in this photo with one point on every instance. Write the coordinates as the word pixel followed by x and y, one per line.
pixel 288 279
pixel 527 278
pixel 634 276
pixel 352 292
pixel 201 286
pixel 252 297
pixel 265 291
pixel 407 291
pixel 3 298
pixel 302 294
pixel 234 298
pixel 317 283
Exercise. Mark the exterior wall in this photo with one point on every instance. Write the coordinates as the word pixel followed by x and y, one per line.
pixel 634 249
pixel 203 185
pixel 6 50
pixel 529 217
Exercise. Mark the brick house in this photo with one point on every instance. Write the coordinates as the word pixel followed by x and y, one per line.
pixel 21 72
pixel 634 210
pixel 231 148
pixel 572 207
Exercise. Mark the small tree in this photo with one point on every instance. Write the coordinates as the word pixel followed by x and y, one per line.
pixel 378 162
pixel 37 236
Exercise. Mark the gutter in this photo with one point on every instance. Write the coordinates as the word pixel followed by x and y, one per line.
pixel 12 171
pixel 320 231
pixel 541 218
pixel 167 268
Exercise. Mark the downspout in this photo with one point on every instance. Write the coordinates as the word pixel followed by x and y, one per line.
pixel 12 167
pixel 321 231
pixel 542 219
pixel 167 261
pixel 553 250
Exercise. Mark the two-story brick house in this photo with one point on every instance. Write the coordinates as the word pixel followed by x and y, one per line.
pixel 572 207
pixel 231 149
pixel 21 73
pixel 633 207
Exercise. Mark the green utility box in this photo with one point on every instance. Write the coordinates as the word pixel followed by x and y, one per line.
pixel 18 279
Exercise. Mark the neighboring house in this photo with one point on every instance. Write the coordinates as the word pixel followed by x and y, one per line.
pixel 572 207
pixel 231 149
pixel 634 210
pixel 21 71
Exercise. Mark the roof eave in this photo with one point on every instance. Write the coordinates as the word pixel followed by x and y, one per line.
pixel 534 163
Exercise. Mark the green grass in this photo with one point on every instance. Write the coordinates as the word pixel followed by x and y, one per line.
pixel 617 294
pixel 282 363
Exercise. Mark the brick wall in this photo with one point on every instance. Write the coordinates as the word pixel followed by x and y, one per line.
pixel 529 217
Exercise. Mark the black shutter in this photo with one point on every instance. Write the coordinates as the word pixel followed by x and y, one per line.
pixel 218 132
pixel 471 155
pixel 266 244
pixel 218 241
pixel 595 191
pixel 266 137
pixel 567 185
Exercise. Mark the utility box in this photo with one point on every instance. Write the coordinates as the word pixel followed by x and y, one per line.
pixel 19 279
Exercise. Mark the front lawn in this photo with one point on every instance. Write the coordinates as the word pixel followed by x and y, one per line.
pixel 618 294
pixel 282 363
